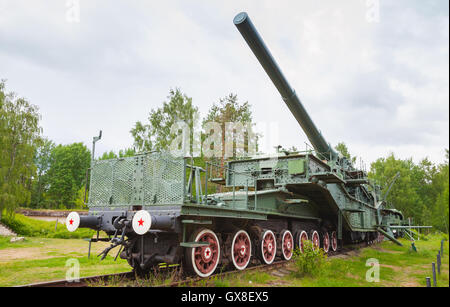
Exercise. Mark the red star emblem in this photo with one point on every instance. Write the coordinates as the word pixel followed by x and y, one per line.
pixel 141 222
pixel 71 222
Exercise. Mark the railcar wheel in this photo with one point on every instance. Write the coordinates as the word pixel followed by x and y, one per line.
pixel 268 247
pixel 315 239
pixel 326 242
pixel 203 260
pixel 287 245
pixel 241 249
pixel 334 243
pixel 301 239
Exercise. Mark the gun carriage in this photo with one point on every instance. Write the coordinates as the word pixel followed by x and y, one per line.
pixel 157 209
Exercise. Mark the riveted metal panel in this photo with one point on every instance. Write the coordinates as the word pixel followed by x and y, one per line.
pixel 163 179
pixel 283 170
pixel 101 183
pixel 122 181
pixel 146 179
pixel 296 167
pixel 355 219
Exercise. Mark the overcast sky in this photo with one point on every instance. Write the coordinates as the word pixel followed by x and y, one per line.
pixel 373 74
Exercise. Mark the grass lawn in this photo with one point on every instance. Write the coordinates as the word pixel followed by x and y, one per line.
pixel 30 227
pixel 44 259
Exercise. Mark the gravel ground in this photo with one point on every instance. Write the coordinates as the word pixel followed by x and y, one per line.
pixel 5 231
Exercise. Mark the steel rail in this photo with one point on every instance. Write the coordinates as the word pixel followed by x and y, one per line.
pixel 81 282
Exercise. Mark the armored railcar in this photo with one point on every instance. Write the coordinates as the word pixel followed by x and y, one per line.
pixel 157 209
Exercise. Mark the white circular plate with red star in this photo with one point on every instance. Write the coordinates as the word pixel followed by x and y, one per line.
pixel 72 221
pixel 142 221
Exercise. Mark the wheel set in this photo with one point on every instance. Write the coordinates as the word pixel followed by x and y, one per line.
pixel 380 238
pixel 203 260
pixel 240 247
pixel 302 237
pixel 315 239
pixel 334 242
pixel 326 242
pixel 287 244
pixel 376 239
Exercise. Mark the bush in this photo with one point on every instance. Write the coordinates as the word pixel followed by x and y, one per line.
pixel 311 262
pixel 29 227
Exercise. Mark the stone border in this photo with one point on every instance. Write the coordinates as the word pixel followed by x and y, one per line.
pixel 6 231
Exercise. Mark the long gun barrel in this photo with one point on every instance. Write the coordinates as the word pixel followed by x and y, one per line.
pixel 262 53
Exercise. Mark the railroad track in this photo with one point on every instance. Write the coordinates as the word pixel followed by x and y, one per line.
pixel 262 267
pixel 82 281
pixel 192 280
pixel 101 280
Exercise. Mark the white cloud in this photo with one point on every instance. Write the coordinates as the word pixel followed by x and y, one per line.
pixel 379 87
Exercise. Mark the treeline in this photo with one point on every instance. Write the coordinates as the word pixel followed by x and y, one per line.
pixel 421 190
pixel 20 135
pixel 158 132
pixel 37 173
pixel 60 176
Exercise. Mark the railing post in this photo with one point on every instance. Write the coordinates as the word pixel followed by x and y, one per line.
pixel 246 193
pixel 256 194
pixel 433 267
pixel 234 190
pixel 428 282
pixel 439 262
pixel 89 250
pixel 206 184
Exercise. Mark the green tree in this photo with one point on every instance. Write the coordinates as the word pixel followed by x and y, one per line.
pixel 108 155
pixel 404 194
pixel 67 174
pixel 440 214
pixel 343 149
pixel 229 110
pixel 157 134
pixel 19 136
pixel 440 182
pixel 128 152
pixel 42 161
pixel 421 191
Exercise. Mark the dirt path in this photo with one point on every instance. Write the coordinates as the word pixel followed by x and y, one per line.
pixel 49 248
pixel 10 254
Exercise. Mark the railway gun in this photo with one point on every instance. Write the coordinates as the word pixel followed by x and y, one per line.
pixel 155 207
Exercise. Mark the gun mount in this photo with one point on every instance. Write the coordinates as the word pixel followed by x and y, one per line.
pixel 153 206
pixel 255 42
